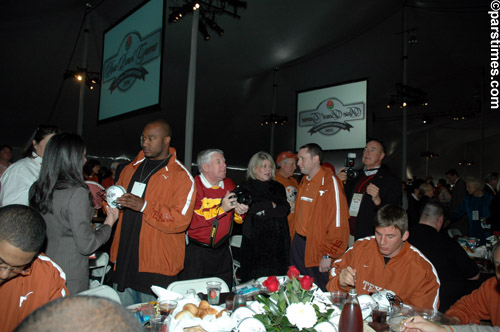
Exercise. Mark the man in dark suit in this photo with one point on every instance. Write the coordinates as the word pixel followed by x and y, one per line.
pixel 453 265
pixel 374 188
pixel 491 183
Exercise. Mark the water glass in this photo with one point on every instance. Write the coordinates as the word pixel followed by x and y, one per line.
pixel 213 292
pixel 156 325
pixel 338 298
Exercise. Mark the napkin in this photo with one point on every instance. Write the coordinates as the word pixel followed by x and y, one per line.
pixel 164 294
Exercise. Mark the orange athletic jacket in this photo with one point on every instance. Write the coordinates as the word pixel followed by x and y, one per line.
pixel 22 295
pixel 409 274
pixel 328 231
pixel 170 194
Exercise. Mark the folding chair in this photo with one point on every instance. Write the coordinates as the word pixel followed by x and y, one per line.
pixel 235 241
pixel 99 265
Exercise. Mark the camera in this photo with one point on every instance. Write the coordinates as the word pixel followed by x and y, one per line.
pixel 242 195
pixel 352 173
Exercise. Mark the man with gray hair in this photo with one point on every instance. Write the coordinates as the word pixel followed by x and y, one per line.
pixel 216 207
pixel 387 261
pixel 453 265
pixel 491 183
pixel 28 279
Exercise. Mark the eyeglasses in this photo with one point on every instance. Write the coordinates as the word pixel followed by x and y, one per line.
pixel 16 270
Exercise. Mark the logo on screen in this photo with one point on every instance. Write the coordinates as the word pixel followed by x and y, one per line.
pixel 126 66
pixel 331 116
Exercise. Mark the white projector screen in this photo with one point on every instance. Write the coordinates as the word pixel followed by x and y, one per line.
pixel 333 117
pixel 131 62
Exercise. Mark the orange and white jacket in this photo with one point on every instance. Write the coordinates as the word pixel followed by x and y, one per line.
pixel 409 274
pixel 170 196
pixel 21 295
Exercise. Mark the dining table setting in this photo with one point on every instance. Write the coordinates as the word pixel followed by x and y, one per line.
pixel 275 303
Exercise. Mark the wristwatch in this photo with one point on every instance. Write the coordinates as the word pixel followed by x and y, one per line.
pixel 326 256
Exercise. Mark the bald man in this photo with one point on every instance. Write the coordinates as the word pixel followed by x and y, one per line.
pixel 81 313
pixel 149 244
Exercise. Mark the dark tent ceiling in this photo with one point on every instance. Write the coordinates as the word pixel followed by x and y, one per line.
pixel 313 43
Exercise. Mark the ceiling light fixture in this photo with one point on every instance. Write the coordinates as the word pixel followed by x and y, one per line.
pixel 208 11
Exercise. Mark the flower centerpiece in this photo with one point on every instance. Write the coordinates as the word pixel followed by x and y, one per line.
pixel 289 306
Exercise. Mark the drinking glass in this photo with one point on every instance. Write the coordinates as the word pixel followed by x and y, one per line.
pixel 379 314
pixel 213 292
pixel 239 301
pixel 229 302
pixel 166 308
pixel 338 298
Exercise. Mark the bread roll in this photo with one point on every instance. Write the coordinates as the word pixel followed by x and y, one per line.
pixel 202 313
pixel 184 313
pixel 191 307
pixel 204 305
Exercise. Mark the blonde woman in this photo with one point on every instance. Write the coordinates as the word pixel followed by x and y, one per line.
pixel 266 239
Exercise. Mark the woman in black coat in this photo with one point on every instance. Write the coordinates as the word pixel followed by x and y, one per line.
pixel 266 239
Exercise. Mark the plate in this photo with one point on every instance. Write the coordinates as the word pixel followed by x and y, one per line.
pixel 241 313
pixel 251 324
pixel 325 327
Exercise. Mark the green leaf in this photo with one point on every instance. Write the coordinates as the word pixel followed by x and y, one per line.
pixel 274 308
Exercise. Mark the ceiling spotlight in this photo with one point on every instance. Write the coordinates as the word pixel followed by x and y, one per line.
pixel 413 39
pixel 196 6
pixel 203 30
pixel 79 77
pixel 211 23
pixel 404 104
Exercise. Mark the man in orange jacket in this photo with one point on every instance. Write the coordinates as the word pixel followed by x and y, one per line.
pixel 28 280
pixel 319 229
pixel 149 244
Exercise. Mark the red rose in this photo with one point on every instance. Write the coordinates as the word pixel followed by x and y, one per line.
pixel 272 284
pixel 306 282
pixel 293 272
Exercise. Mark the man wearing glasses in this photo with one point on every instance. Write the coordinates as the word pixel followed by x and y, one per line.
pixel 27 279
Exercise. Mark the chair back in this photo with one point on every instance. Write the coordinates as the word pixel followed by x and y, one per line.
pixel 98 193
pixel 99 265
pixel 235 241
pixel 199 285
pixel 102 291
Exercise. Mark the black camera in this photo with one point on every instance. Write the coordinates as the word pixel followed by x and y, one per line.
pixel 242 195
pixel 352 173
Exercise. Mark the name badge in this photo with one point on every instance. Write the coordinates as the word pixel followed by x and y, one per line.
pixel 138 188
pixel 475 215
pixel 307 199
pixel 355 204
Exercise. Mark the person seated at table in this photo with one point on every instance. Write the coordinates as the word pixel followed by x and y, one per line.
pixel 484 302
pixel 387 261
pixel 453 265
pixel 81 313
pixel 419 324
pixel 28 279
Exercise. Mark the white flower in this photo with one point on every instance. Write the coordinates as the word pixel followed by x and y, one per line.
pixel 301 315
